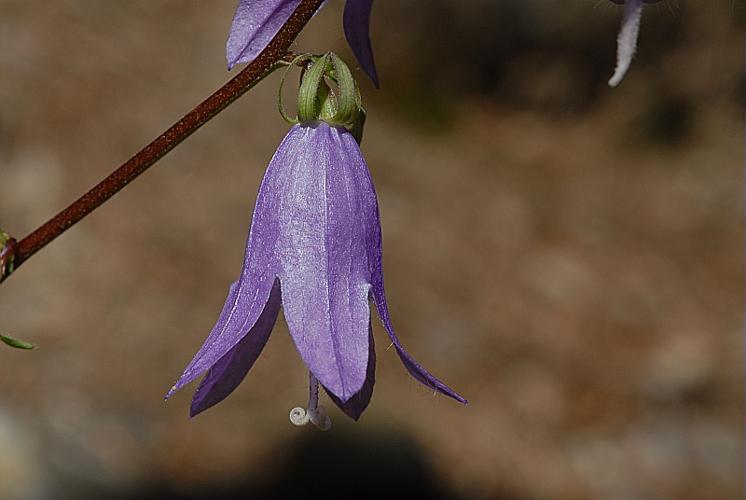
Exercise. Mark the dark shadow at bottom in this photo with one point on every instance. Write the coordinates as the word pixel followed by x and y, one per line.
pixel 334 465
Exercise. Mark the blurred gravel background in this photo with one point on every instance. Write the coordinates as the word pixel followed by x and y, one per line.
pixel 568 256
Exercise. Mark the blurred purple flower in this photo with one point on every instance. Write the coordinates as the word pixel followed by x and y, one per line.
pixel 315 248
pixel 627 38
pixel 257 21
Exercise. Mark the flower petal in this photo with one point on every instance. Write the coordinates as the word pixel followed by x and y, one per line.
pixel 245 304
pixel 356 22
pixel 355 406
pixel 369 224
pixel 230 370
pixel 240 312
pixel 379 297
pixel 412 366
pixel 323 260
pixel 254 25
pixel 627 40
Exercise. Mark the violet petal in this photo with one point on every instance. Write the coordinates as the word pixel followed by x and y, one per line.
pixel 412 366
pixel 254 24
pixel 356 20
pixel 230 370
pixel 243 307
pixel 355 406
pixel 323 257
pixel 379 297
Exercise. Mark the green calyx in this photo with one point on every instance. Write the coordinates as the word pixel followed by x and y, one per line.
pixel 7 257
pixel 327 93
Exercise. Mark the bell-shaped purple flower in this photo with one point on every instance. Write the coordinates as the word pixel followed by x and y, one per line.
pixel 627 38
pixel 314 248
pixel 257 21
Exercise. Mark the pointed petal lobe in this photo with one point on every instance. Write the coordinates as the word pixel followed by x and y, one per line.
pixel 412 366
pixel 230 370
pixel 240 312
pixel 254 24
pixel 355 406
pixel 356 22
pixel 375 259
pixel 246 302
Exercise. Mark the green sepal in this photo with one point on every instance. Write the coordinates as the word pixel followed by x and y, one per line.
pixel 327 93
pixel 327 101
pixel 309 106
pixel 17 343
pixel 347 100
pixel 297 60
pixel 7 264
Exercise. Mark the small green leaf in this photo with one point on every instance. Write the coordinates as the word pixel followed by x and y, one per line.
pixel 18 344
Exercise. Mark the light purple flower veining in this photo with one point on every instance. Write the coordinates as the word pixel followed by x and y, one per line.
pixel 627 38
pixel 257 21
pixel 314 248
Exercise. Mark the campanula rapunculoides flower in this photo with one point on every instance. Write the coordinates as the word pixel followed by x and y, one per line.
pixel 257 21
pixel 314 249
pixel 627 38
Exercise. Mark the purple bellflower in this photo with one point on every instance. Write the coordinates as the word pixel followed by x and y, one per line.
pixel 314 249
pixel 627 38
pixel 257 21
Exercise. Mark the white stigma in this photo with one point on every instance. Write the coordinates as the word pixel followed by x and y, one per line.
pixel 316 414
pixel 627 40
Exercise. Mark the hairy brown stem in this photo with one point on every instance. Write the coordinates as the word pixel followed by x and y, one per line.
pixel 275 52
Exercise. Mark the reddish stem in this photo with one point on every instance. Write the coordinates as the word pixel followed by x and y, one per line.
pixel 146 157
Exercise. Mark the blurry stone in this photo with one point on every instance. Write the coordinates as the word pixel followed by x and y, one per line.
pixel 34 174
pixel 22 473
pixel 680 366
pixel 559 277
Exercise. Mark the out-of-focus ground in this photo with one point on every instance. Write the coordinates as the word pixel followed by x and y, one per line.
pixel 568 256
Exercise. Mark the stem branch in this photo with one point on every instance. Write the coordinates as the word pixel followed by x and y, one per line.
pixel 275 52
